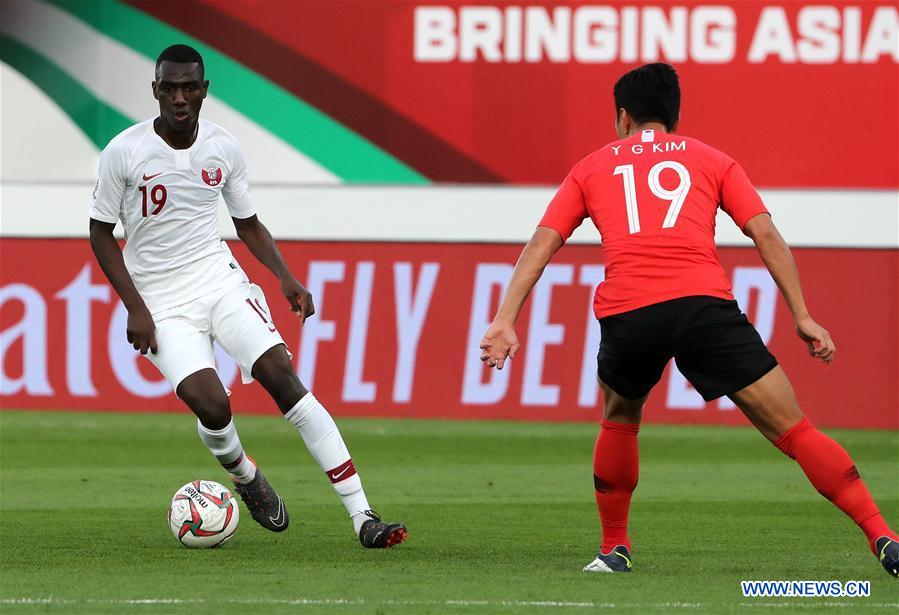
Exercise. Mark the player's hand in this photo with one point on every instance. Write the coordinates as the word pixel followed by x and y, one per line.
pixel 299 298
pixel 498 344
pixel 141 330
pixel 817 339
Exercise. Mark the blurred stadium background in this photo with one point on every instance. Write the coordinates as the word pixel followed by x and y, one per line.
pixel 402 151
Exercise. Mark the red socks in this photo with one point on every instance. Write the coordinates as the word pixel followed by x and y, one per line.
pixel 615 472
pixel 826 464
pixel 832 472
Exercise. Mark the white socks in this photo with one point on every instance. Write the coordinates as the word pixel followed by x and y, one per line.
pixel 322 438
pixel 225 445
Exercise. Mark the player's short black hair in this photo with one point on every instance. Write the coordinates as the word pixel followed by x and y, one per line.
pixel 184 54
pixel 650 93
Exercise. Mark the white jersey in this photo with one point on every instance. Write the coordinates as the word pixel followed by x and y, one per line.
pixel 167 200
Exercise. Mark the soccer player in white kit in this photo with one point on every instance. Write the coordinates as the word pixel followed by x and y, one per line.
pixel 183 289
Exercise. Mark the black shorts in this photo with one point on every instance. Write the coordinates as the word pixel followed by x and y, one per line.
pixel 713 343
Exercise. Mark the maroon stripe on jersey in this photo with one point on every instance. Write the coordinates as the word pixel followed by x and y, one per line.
pixel 342 472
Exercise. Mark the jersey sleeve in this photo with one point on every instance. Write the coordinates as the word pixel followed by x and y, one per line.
pixel 739 197
pixel 567 209
pixel 236 191
pixel 106 202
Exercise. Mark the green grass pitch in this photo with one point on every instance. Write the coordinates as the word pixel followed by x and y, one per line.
pixel 501 519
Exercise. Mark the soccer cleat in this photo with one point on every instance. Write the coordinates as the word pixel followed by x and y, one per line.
pixel 264 504
pixel 888 554
pixel 375 534
pixel 616 560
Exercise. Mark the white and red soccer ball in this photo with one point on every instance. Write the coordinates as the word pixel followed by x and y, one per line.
pixel 203 514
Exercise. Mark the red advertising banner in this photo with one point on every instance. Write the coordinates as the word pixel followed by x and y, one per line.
pixel 803 94
pixel 397 326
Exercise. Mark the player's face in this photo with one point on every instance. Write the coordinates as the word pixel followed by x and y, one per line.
pixel 180 90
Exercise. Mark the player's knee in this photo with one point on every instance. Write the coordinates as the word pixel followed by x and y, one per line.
pixel 213 416
pixel 622 414
pixel 287 390
pixel 623 410
pixel 211 407
pixel 275 373
pixel 620 409
pixel 214 413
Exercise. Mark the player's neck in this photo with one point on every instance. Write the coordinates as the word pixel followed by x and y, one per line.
pixel 657 126
pixel 176 139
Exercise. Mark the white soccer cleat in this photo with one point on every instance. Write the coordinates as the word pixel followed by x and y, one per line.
pixel 597 565
pixel 617 560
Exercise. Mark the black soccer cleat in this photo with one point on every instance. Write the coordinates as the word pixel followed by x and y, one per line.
pixel 375 534
pixel 263 502
pixel 888 553
pixel 616 560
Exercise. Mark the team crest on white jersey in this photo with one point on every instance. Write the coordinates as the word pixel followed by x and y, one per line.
pixel 212 174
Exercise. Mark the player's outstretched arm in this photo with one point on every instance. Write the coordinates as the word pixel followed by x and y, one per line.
pixel 779 260
pixel 260 242
pixel 500 341
pixel 141 329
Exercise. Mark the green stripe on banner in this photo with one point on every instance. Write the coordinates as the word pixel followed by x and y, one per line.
pixel 97 120
pixel 332 145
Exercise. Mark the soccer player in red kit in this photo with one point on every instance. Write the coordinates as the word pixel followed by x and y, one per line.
pixel 653 197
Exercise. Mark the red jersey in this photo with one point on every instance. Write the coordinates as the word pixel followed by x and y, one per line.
pixel 653 197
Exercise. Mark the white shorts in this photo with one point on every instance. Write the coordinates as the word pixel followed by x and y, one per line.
pixel 237 318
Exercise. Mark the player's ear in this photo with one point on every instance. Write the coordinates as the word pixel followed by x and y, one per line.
pixel 621 127
pixel 155 93
pixel 205 88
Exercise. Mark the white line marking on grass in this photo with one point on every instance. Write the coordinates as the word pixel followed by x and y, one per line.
pixel 33 601
pixel 315 601
pixel 546 604
pixel 850 602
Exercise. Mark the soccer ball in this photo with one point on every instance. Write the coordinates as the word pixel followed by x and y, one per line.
pixel 203 514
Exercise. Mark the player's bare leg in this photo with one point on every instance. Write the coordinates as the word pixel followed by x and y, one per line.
pixel 618 409
pixel 275 373
pixel 770 404
pixel 615 473
pixel 203 392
